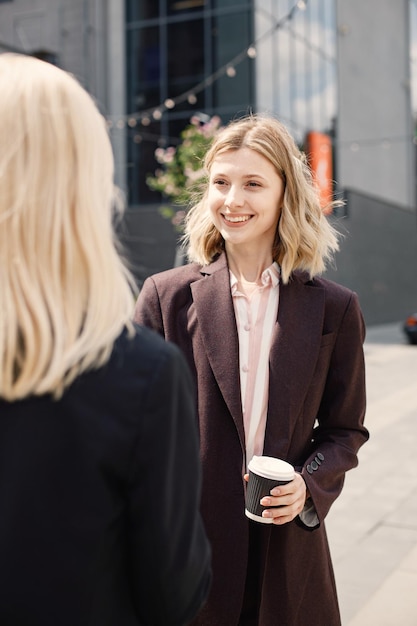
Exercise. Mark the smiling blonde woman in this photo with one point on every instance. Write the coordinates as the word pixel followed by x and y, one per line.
pixel 277 356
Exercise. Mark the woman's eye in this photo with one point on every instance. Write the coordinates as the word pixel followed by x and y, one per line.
pixel 219 181
pixel 253 183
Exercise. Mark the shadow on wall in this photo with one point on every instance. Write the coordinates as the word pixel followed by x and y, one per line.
pixel 378 257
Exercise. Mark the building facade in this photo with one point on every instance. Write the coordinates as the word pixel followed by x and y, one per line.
pixel 343 69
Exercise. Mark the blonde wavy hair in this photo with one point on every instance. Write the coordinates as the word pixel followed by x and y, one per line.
pixel 65 292
pixel 305 239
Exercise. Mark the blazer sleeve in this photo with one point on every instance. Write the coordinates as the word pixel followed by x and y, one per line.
pixel 340 430
pixel 148 309
pixel 169 550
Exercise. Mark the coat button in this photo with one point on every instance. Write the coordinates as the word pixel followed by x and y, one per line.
pixel 309 469
pixel 317 460
pixel 314 465
pixel 321 456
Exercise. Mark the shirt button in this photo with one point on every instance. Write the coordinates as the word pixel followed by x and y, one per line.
pixel 245 368
pixel 247 327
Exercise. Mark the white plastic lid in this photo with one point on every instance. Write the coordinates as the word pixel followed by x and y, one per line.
pixel 270 467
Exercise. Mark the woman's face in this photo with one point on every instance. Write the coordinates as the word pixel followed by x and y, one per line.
pixel 245 197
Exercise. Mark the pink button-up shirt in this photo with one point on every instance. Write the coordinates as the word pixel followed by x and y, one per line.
pixel 255 318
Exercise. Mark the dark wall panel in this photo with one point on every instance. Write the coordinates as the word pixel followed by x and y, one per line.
pixel 378 257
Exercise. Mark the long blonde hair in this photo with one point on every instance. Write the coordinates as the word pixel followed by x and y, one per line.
pixel 304 239
pixel 65 292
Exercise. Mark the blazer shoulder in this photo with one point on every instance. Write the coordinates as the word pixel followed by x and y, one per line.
pixel 177 276
pixel 342 305
pixel 337 298
pixel 142 350
pixel 331 288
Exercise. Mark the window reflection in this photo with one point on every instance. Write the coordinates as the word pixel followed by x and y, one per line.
pixel 176 6
pixel 185 56
pixel 175 45
pixel 168 56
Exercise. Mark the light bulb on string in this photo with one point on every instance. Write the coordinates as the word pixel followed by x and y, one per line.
pixel 157 114
pixel 192 98
pixel 231 72
pixel 169 103
pixel 251 52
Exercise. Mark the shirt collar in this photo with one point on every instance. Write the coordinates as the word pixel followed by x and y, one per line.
pixel 269 277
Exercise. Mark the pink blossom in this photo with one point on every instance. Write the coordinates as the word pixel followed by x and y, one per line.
pixel 178 218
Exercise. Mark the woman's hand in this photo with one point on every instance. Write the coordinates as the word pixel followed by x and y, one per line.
pixel 290 499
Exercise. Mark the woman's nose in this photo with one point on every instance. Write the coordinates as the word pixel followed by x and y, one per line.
pixel 234 198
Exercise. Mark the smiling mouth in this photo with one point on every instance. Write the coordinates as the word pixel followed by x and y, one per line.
pixel 237 218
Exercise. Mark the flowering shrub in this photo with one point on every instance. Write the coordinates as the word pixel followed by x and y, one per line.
pixel 181 171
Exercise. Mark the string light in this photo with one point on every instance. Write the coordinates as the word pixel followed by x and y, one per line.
pixel 145 117
pixel 229 69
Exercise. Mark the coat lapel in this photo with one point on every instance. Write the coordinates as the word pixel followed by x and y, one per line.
pixel 294 351
pixel 214 308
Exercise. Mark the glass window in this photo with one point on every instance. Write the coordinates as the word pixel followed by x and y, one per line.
pixel 141 10
pixel 222 4
pixel 296 63
pixel 142 143
pixel 144 68
pixel 176 7
pixel 413 55
pixel 230 34
pixel 174 46
pixel 185 56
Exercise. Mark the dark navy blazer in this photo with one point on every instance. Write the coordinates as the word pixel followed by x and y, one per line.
pixel 99 492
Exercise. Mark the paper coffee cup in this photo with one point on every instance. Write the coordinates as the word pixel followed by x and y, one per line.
pixel 265 473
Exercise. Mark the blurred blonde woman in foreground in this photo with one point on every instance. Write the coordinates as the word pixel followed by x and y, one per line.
pixel 278 359
pixel 90 449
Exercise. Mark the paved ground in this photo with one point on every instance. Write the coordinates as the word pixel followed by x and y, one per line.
pixel 372 527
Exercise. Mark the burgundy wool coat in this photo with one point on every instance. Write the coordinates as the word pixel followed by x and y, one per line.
pixel 316 405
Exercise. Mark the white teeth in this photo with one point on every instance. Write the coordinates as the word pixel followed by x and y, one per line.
pixel 240 218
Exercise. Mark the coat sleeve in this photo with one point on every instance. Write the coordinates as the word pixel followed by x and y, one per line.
pixel 169 550
pixel 148 310
pixel 340 430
